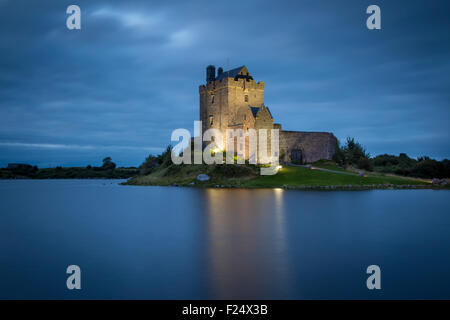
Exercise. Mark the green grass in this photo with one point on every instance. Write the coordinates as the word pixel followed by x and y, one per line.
pixel 330 165
pixel 300 176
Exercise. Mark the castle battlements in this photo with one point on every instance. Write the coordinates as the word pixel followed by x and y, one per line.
pixel 231 82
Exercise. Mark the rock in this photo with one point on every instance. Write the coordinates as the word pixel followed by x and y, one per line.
pixel 441 182
pixel 308 166
pixel 203 177
pixel 192 183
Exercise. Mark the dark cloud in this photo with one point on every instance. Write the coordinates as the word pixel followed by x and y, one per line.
pixel 120 85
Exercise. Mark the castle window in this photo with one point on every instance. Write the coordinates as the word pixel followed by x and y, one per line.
pixel 240 133
pixel 246 98
pixel 212 99
pixel 211 120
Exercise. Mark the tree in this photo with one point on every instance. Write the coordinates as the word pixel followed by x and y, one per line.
pixel 150 163
pixel 108 164
pixel 352 153
pixel 339 156
pixel 166 157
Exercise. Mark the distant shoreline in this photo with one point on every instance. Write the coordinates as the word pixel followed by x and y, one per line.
pixel 24 171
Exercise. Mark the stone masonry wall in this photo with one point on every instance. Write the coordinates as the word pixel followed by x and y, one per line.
pixel 313 145
pixel 221 100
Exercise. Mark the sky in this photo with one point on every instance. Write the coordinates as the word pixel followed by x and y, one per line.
pixel 119 86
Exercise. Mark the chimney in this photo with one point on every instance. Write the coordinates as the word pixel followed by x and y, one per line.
pixel 210 73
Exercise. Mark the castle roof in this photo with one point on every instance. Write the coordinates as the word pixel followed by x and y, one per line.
pixel 255 110
pixel 230 73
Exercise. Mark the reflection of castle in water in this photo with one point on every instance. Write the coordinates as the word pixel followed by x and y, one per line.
pixel 241 235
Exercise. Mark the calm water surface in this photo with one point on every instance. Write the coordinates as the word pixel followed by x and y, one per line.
pixel 186 243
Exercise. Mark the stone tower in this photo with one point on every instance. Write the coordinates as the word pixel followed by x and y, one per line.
pixel 227 99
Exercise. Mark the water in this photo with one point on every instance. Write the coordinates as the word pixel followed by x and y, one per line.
pixel 187 243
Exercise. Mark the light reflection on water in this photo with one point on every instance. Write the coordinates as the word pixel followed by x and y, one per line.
pixel 244 228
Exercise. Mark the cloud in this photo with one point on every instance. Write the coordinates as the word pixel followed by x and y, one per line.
pixel 129 19
pixel 131 75
pixel 78 147
pixel 181 38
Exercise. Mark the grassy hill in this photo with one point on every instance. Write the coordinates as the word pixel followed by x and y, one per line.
pixel 247 176
pixel 230 175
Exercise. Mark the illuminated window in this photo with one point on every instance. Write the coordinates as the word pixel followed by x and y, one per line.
pixel 211 120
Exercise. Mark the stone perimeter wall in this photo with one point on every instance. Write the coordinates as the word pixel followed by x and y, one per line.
pixel 313 145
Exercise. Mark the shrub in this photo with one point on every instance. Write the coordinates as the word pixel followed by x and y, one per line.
pixel 339 156
pixel 350 153
pixel 365 164
pixel 428 169
pixel 165 159
pixel 150 163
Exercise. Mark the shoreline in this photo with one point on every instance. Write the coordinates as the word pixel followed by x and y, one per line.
pixel 284 187
pixel 299 187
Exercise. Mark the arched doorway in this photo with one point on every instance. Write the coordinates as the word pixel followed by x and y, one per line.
pixel 296 156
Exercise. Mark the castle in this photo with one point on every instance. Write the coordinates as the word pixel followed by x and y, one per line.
pixel 233 100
